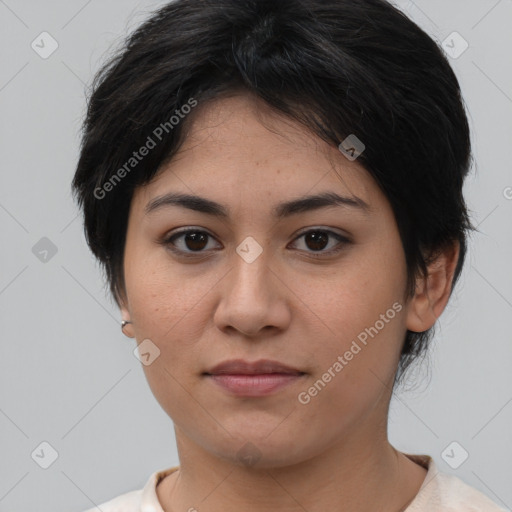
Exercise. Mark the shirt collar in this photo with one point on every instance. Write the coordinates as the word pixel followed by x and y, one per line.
pixel 149 498
pixel 150 503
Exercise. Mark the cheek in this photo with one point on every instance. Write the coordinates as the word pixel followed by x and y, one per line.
pixel 165 295
pixel 353 370
pixel 365 330
pixel 353 297
pixel 362 315
pixel 169 309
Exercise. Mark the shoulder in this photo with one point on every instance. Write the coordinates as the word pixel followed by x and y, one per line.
pixel 145 499
pixel 447 493
pixel 128 502
pixel 456 495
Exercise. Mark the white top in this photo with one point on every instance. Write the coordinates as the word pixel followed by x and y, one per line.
pixel 440 492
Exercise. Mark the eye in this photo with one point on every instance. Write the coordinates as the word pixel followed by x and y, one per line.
pixel 318 239
pixel 194 242
pixel 188 242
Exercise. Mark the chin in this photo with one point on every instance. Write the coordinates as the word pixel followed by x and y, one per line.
pixel 259 452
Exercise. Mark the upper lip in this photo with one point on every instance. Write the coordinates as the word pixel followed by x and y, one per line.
pixel 241 367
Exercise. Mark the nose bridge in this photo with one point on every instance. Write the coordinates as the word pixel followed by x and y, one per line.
pixel 251 269
pixel 249 297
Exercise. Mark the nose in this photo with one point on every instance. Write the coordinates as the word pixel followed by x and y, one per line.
pixel 253 299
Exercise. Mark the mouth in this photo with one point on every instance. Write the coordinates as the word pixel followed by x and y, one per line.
pixel 259 378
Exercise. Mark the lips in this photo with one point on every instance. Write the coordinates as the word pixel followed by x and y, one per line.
pixel 261 367
pixel 246 379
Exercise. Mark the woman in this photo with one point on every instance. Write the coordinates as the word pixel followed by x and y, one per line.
pixel 274 190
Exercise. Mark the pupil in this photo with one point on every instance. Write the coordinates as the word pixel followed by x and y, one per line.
pixel 318 239
pixel 195 241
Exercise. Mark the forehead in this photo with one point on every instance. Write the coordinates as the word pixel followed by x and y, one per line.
pixel 243 125
pixel 238 149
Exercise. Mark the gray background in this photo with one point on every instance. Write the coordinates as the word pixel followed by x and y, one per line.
pixel 67 374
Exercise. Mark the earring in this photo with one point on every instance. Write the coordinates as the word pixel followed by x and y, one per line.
pixel 123 324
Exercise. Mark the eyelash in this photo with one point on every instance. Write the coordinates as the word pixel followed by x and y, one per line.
pixel 168 242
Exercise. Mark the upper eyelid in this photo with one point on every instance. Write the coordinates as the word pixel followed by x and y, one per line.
pixel 321 228
pixel 301 232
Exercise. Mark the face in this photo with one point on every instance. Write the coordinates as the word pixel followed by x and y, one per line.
pixel 314 286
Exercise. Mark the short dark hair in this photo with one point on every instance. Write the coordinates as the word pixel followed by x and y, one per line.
pixel 339 67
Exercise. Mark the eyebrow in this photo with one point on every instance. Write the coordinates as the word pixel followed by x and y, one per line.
pixel 280 211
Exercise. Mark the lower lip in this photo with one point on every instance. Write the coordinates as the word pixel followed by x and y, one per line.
pixel 254 385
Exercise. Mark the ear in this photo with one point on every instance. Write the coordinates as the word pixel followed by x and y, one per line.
pixel 432 292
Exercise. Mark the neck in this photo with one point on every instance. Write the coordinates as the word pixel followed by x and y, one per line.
pixel 351 475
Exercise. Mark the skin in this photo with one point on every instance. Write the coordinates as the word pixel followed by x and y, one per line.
pixel 333 452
